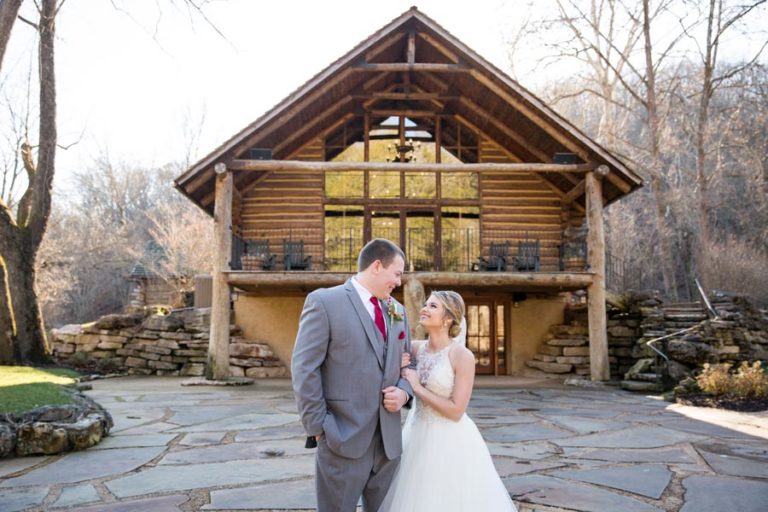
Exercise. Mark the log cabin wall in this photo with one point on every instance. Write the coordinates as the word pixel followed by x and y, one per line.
pixel 513 205
pixel 287 205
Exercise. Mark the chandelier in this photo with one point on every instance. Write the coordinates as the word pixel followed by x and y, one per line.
pixel 402 152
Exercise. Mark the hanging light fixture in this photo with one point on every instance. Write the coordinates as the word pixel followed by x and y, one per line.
pixel 402 152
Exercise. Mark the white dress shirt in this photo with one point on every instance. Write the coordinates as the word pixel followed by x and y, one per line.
pixel 365 297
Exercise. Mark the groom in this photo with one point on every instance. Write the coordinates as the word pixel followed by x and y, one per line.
pixel 346 378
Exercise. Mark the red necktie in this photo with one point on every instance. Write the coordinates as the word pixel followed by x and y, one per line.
pixel 378 317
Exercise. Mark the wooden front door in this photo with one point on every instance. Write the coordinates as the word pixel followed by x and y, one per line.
pixel 486 336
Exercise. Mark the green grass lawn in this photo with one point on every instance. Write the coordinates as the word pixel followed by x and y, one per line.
pixel 23 388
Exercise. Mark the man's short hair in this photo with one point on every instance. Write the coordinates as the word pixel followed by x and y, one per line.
pixel 378 249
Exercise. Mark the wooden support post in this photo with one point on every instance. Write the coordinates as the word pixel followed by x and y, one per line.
pixel 414 297
pixel 218 346
pixel 598 334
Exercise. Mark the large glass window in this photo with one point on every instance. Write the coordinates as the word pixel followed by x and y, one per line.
pixel 384 184
pixel 420 185
pixel 343 237
pixel 385 224
pixel 344 184
pixel 459 185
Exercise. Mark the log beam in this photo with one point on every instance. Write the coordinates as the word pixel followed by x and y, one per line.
pixel 398 67
pixel 299 166
pixel 306 281
pixel 218 346
pixel 598 334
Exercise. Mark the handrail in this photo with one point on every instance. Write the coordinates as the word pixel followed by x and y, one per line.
pixel 676 333
pixel 710 309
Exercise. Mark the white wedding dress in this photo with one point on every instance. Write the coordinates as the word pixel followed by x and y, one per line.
pixel 446 465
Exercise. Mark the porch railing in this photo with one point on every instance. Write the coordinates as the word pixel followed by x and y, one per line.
pixel 457 250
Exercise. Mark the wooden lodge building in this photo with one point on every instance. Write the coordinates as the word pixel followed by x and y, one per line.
pixel 414 137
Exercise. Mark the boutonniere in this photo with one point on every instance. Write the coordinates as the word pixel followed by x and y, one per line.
pixel 393 313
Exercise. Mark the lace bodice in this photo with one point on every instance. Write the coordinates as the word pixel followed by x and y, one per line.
pixel 436 374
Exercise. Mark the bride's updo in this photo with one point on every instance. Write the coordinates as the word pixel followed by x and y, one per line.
pixel 454 310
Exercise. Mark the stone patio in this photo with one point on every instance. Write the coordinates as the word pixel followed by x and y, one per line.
pixel 557 448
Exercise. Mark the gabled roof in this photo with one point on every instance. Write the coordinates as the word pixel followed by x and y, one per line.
pixel 411 65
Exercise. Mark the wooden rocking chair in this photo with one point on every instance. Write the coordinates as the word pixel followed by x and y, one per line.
pixel 498 253
pixel 293 256
pixel 258 250
pixel 528 258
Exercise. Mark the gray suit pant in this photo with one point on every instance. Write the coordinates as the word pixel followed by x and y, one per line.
pixel 341 481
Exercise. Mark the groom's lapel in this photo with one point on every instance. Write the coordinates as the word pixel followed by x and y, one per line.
pixel 391 336
pixel 366 320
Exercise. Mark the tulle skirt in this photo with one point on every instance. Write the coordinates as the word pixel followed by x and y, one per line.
pixel 445 467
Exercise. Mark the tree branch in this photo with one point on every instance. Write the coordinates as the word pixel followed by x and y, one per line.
pixel 42 183
pixel 22 215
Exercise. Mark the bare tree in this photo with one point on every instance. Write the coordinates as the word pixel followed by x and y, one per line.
pixel 721 17
pixel 21 235
pixel 179 231
pixel 614 40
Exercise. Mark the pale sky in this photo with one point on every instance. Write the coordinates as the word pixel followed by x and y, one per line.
pixel 128 77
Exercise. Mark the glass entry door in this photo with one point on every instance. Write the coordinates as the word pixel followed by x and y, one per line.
pixel 486 336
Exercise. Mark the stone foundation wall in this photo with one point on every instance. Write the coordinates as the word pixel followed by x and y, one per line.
pixel 174 344
pixel 623 331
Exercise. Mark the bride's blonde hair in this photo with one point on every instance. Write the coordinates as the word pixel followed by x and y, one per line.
pixel 454 309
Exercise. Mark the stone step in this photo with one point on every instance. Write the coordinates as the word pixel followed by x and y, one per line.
pixel 544 357
pixel 561 342
pixel 639 385
pixel 551 351
pixel 550 367
pixel 685 317
pixel 682 305
pixel 646 377
pixel 682 308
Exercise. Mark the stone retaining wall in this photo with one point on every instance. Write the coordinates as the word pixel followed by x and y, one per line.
pixel 740 333
pixel 175 344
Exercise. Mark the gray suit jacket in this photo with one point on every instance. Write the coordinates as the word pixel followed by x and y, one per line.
pixel 339 369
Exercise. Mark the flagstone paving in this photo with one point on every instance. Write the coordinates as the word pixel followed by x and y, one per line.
pixel 557 449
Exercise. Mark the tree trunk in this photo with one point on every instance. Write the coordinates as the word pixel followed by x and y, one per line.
pixel 7 325
pixel 9 10
pixel 702 180
pixel 20 238
pixel 666 257
pixel 31 345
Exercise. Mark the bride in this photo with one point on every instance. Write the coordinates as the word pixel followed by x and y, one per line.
pixel 445 465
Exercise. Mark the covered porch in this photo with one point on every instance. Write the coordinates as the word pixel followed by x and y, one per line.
pixel 461 272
